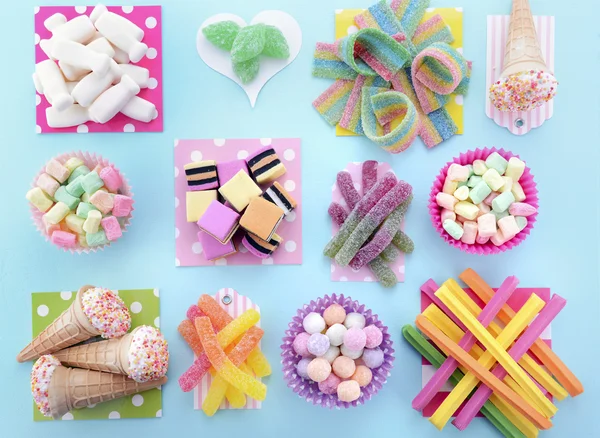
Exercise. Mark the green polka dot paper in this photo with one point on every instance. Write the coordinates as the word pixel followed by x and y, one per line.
pixel 144 306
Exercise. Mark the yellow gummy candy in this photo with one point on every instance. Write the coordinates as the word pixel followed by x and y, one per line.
pixel 237 327
pixel 259 363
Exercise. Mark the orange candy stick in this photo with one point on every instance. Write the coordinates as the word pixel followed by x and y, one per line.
pixel 187 330
pixel 548 357
pixel 499 388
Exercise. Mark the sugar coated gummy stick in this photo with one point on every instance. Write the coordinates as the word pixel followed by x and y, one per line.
pixel 550 359
pixel 224 367
pixel 187 330
pixel 469 382
pixel 466 343
pixel 516 372
pixel 554 306
pixel 369 174
pixel 388 203
pixel 359 212
pixel 433 356
pixel 403 242
pixel 337 213
pixel 346 186
pixel 499 388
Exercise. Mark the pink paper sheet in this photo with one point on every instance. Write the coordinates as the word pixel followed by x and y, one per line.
pixel 147 18
pixel 364 274
pixel 516 301
pixel 188 251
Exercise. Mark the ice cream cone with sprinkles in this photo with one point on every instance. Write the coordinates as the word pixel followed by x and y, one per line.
pixel 525 82
pixel 95 312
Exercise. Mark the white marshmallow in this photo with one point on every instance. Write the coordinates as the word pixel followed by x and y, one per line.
pixel 113 100
pixel 93 85
pixel 139 74
pixel 73 116
pixel 71 86
pixel 97 11
pixel 134 49
pixel 53 84
pixel 109 23
pixel 140 109
pixel 80 56
pixel 54 21
pixel 46 46
pixel 37 83
pixel 121 57
pixel 80 29
pixel 100 45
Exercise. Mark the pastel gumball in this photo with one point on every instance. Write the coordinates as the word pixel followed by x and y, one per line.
pixel 57 213
pixel 498 239
pixel 479 167
pixel 112 178
pixel 490 198
pixel 343 367
pixel 453 228
pixel 456 172
pixel 473 181
pixel 73 163
pixel 449 186
pixel 497 162
pixel 300 344
pixel 363 375
pixel 48 184
pixel 330 384
pixel 63 196
pixel 374 336
pixel 334 314
pixel 318 369
pixel 462 193
pixel 479 192
pixel 103 201
pixel 111 228
pixel 74 223
pixel 39 199
pixel 75 188
pixel 469 232
pixel 355 320
pixel 57 171
pixel 522 209
pixel 83 209
pixel 521 222
pixel 502 202
pixel 355 339
pixel 467 210
pixel 302 367
pixel 352 354
pixel 509 227
pixel 447 214
pixel 96 239
pixel 486 225
pixel 493 179
pixel 336 333
pixel 92 223
pixel 318 344
pixel 91 183
pixel 348 391
pixel 482 240
pixel 313 323
pixel 515 169
pixel 64 239
pixel 508 183
pixel 373 357
pixel 446 201
pixel 122 206
pixel 331 354
pixel 518 192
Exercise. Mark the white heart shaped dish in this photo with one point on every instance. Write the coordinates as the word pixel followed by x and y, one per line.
pixel 220 60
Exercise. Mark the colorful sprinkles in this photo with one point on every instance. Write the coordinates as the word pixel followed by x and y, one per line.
pixel 106 312
pixel 41 374
pixel 524 91
pixel 148 355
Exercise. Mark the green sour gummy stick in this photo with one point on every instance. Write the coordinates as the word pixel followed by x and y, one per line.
pixel 222 34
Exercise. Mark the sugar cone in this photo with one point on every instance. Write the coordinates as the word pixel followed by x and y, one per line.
pixel 74 388
pixel 523 50
pixel 70 328
pixel 110 356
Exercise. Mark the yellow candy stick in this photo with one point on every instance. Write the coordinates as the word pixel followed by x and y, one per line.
pixel 214 396
pixel 543 405
pixel 523 424
pixel 527 362
pixel 470 381
pixel 237 327
pixel 259 363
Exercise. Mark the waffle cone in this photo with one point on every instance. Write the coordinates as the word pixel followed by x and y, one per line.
pixel 111 355
pixel 523 50
pixel 70 328
pixel 74 388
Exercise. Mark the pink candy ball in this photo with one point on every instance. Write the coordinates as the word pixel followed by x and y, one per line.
pixel 334 314
pixel 318 369
pixel 355 339
pixel 330 384
pixel 374 336
pixel 362 375
pixel 300 344
pixel 344 367
pixel 348 391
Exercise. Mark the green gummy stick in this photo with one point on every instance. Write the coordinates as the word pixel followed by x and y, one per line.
pixel 390 254
pixel 383 272
pixel 403 242
pixel 429 352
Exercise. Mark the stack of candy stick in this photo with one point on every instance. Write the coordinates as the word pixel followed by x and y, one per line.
pixel 491 366
pixel 393 77
pixel 370 234
pixel 228 349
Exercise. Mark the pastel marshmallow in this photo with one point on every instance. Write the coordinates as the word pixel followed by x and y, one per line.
pixel 509 227
pixel 507 186
pixel 78 171
pixel 486 224
pixel 63 196
pixel 518 193
pixel 122 206
pixel 57 213
pixel 103 201
pixel 462 193
pixel 498 239
pixel 74 188
pixel 483 208
pixel 91 182
pixel 453 228
pixel 482 240
pixel 521 209
pixel 456 172
pixel 92 223
pixel 446 201
pixel 111 228
pixel 84 208
pixel 112 179
pixel 447 214
pixel 497 162
pixel 469 232
pixel 74 223
pixel 73 163
pixel 499 215
pixel 467 210
pixel 521 222
pixel 449 186
pixel 50 228
pixel 48 184
pixel 57 171
pixel 490 198
pixel 480 192
pixel 96 239
pixel 493 179
pixel 479 167
pixel 515 169
pixel 473 181
pixel 502 202
pixel 39 199
pixel 63 239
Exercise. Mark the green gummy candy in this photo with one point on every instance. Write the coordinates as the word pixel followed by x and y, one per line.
pixel 276 46
pixel 248 44
pixel 247 70
pixel 383 272
pixel 222 34
pixel 95 239
pixel 403 242
pixel 390 254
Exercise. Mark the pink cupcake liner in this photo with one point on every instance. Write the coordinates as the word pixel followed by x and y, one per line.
pixel 91 161
pixel 308 389
pixel 526 181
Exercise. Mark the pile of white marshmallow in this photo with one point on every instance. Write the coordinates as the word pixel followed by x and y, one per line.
pixel 93 79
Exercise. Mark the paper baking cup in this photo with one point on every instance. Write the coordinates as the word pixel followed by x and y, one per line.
pixel 91 161
pixel 435 210
pixel 308 389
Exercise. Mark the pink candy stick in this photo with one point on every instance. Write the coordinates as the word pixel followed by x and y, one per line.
pixel 429 288
pixel 194 374
pixel 486 316
pixel 337 213
pixel 517 351
pixel 347 189
pixel 369 175
pixel 194 312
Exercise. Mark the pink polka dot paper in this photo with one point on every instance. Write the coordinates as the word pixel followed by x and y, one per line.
pixel 364 274
pixel 188 251
pixel 148 18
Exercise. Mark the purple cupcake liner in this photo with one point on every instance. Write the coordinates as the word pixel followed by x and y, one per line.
pixel 308 389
